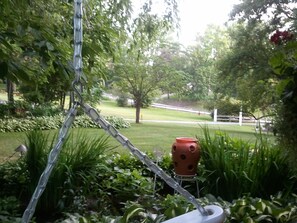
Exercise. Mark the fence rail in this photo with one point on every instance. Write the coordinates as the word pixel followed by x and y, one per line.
pixel 231 118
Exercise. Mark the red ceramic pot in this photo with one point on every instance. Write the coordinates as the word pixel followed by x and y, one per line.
pixel 185 156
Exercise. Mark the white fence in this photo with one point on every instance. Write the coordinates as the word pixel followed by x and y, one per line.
pixel 262 123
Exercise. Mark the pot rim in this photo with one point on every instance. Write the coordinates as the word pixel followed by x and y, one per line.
pixel 186 139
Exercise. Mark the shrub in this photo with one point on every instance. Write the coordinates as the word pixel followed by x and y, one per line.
pixel 44 110
pixel 234 168
pixel 4 110
pixel 54 122
pixel 78 160
pixel 13 179
pixel 10 209
pixel 122 100
pixel 225 106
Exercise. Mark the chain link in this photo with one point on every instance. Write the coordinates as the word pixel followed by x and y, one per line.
pixel 78 88
pixel 111 130
pixel 77 85
pixel 52 159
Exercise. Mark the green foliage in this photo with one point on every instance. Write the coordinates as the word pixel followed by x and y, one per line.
pixel 93 95
pixel 284 65
pixel 54 122
pixel 200 62
pixel 9 206
pixel 122 100
pixel 117 122
pixel 225 106
pixel 124 179
pixel 171 63
pixel 108 187
pixel 10 209
pixel 134 204
pixel 78 160
pixel 20 109
pixel 277 209
pixel 4 110
pixel 234 168
pixel 244 72
pixel 44 110
pixel 14 179
pixel 280 71
pixel 147 101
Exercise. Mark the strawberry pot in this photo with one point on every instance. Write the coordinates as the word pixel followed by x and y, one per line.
pixel 185 156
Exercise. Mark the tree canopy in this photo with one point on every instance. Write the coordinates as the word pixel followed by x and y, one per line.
pixel 36 40
pixel 279 18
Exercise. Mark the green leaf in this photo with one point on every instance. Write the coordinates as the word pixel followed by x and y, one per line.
pixel 49 46
pixel 131 212
pixel 277 62
pixel 266 218
pixel 280 88
pixel 3 69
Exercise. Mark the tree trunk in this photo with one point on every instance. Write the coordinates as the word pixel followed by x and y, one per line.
pixel 138 107
pixel 62 100
pixel 10 90
pixel 71 99
pixel 10 96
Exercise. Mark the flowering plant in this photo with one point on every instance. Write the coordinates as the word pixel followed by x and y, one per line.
pixel 280 37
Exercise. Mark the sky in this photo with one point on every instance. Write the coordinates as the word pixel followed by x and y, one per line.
pixel 195 15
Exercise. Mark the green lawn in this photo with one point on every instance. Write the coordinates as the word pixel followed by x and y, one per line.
pixel 110 108
pixel 147 136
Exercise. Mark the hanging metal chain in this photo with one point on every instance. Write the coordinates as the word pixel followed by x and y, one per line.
pixel 52 159
pixel 111 130
pixel 78 88
pixel 77 85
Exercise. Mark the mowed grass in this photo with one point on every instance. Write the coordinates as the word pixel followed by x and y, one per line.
pixel 110 108
pixel 146 136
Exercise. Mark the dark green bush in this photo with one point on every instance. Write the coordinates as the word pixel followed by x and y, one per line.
pixel 68 182
pixel 225 107
pixel 44 110
pixel 21 109
pixel 13 178
pixel 10 209
pixel 234 168
pixel 122 100
pixel 4 110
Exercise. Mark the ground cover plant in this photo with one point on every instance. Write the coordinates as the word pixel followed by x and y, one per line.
pixel 9 124
pixel 105 187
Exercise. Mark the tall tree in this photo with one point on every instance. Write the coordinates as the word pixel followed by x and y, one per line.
pixel 281 17
pixel 171 60
pixel 37 51
pixel 135 68
pixel 244 70
pixel 202 58
pixel 39 41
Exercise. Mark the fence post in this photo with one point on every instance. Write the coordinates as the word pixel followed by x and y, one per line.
pixel 240 118
pixel 215 115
